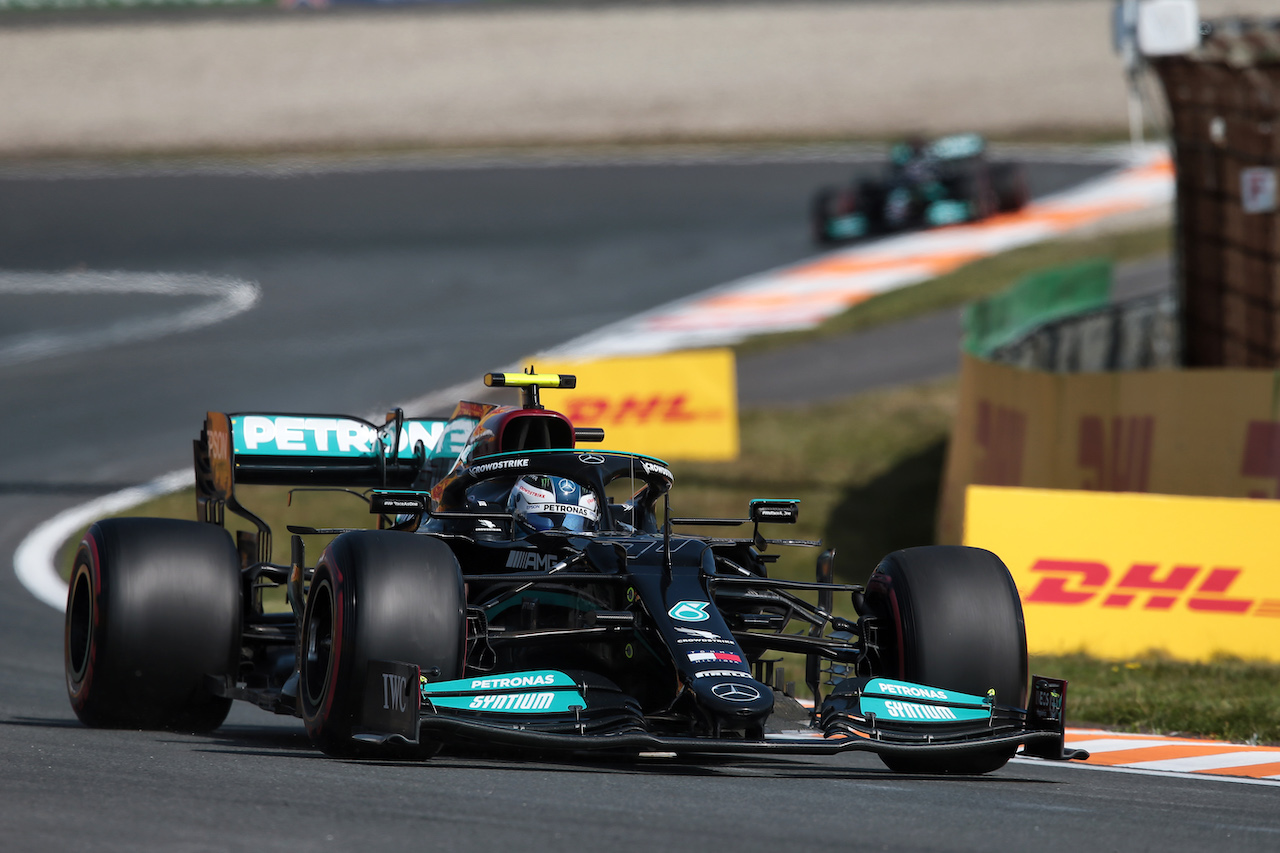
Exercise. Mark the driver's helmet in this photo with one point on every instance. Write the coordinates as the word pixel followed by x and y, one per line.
pixel 539 502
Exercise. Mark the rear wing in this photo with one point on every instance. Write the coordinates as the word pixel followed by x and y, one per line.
pixel 308 450
pixel 957 146
pixel 312 450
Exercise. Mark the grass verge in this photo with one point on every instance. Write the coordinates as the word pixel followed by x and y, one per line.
pixel 1226 698
pixel 272 503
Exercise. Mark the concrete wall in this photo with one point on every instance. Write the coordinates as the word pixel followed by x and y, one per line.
pixel 614 74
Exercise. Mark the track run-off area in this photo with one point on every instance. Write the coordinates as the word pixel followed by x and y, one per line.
pixel 424 296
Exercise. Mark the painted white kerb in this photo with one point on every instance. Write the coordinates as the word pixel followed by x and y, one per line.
pixel 35 560
pixel 226 297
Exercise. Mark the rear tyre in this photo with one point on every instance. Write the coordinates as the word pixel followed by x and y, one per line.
pixel 950 617
pixel 1009 183
pixel 376 595
pixel 820 217
pixel 153 608
pixel 973 185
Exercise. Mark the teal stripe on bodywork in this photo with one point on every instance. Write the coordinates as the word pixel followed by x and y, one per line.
pixel 902 701
pixel 534 692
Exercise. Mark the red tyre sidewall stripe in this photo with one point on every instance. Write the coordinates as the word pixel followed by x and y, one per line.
pixel 335 650
pixel 880 581
pixel 95 602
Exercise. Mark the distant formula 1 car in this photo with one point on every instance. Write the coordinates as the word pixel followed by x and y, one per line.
pixel 522 591
pixel 943 182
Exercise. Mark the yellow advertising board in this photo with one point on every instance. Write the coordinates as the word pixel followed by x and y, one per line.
pixel 1118 574
pixel 1178 432
pixel 680 405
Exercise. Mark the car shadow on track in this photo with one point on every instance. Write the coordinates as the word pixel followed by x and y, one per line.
pixel 242 740
pixel 286 743
pixel 700 766
pixel 279 742
pixel 42 723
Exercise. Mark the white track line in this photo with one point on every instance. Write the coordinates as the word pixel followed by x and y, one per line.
pixel 225 298
pixel 34 561
pixel 1167 774
pixel 1117 744
pixel 1241 757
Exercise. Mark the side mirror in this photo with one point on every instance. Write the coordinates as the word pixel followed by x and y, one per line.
pixel 399 503
pixel 581 434
pixel 775 511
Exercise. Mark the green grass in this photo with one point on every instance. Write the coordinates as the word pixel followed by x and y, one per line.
pixel 272 503
pixel 1227 698
pixel 971 282
pixel 866 470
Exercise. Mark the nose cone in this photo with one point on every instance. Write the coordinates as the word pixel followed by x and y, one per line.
pixel 735 701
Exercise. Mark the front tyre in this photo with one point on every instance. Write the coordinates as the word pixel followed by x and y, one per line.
pixel 153 608
pixel 950 617
pixel 376 595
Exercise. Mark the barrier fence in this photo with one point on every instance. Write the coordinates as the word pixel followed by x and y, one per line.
pixel 1035 301
pixel 1137 334
pixel 1224 100
pixel 1191 432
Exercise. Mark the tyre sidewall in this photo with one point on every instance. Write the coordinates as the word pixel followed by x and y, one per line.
pixel 393 596
pixel 153 609
pixel 956 621
pixel 950 617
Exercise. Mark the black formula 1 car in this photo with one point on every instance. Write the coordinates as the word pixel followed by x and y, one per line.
pixel 524 591
pixel 943 182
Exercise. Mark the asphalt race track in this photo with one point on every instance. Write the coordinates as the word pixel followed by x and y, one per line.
pixel 378 285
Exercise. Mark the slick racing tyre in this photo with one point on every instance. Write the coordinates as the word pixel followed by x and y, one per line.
pixel 950 617
pixel 376 595
pixel 1009 183
pixel 872 196
pixel 973 185
pixel 820 216
pixel 153 609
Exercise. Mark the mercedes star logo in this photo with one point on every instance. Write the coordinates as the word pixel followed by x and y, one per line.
pixel 591 459
pixel 733 692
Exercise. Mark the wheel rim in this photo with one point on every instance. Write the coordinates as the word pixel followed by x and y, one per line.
pixel 79 626
pixel 318 648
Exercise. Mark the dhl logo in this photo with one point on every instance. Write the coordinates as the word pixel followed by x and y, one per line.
pixel 636 409
pixel 1144 586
